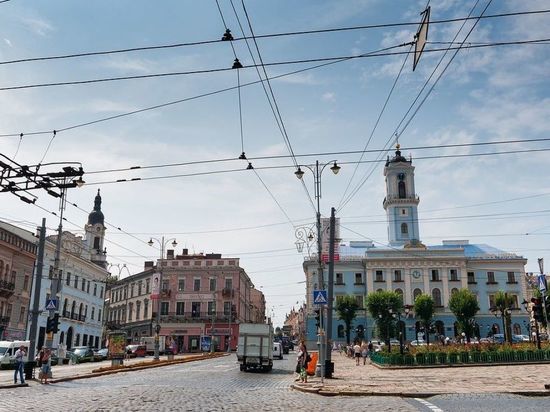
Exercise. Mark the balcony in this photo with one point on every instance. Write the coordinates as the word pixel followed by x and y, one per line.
pixel 6 288
pixel 228 292
pixel 4 320
pixel 73 316
pixel 190 317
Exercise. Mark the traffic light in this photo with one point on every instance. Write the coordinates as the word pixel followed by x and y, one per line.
pixel 317 318
pixel 537 309
pixel 52 324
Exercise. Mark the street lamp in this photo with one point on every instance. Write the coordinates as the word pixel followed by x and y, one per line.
pixel 535 335
pixel 162 244
pixel 317 172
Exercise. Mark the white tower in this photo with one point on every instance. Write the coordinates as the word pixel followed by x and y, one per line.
pixel 401 201
pixel 95 234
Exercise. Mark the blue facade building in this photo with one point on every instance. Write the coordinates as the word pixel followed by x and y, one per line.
pixel 410 268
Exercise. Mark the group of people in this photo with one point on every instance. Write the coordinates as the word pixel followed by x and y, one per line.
pixel 43 363
pixel 359 350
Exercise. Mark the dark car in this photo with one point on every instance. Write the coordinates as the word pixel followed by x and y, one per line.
pixel 82 354
pixel 133 351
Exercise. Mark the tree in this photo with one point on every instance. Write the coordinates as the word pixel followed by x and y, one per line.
pixel 346 308
pixel 503 304
pixel 464 306
pixel 383 305
pixel 424 308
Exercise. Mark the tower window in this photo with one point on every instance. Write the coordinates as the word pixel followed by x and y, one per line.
pixel 404 229
pixel 402 191
pixel 96 243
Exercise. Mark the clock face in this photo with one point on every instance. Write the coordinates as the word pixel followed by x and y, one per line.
pixel 98 229
pixel 416 274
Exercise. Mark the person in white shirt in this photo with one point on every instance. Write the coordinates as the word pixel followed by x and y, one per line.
pixel 19 364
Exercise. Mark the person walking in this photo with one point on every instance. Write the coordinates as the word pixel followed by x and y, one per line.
pixel 364 352
pixel 19 364
pixel 302 361
pixel 357 353
pixel 45 369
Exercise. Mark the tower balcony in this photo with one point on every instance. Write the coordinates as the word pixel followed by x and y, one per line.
pixel 396 200
pixel 6 288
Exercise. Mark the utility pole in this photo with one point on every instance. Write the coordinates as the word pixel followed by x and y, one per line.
pixel 37 288
pixel 330 293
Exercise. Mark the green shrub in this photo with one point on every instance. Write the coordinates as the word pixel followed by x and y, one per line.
pixel 464 357
pixel 530 355
pixel 495 356
pixel 408 359
pixel 539 355
pixel 476 356
pixel 453 357
pixel 430 358
pixel 420 358
pixel 484 357
pixel 520 355
pixel 396 359
pixel 442 357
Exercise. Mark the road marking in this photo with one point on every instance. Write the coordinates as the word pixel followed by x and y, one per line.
pixel 429 405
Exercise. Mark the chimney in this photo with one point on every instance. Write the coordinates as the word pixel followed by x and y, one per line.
pixel 185 252
pixel 170 254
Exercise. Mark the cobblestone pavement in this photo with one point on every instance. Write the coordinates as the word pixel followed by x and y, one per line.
pixel 472 379
pixel 485 402
pixel 207 385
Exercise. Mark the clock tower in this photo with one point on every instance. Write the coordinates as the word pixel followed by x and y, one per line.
pixel 401 202
pixel 95 234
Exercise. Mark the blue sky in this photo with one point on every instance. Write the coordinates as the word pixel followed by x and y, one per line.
pixel 486 94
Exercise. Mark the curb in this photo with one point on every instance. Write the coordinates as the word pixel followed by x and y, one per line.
pixel 16 385
pixel 323 392
pixel 458 365
pixel 137 368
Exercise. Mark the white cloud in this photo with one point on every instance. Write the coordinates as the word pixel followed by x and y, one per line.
pixel 8 42
pixel 328 97
pixel 38 26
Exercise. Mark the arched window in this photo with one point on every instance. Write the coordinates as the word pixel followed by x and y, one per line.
pixel 380 290
pixel 399 291
pixel 404 229
pixel 436 295
pixel 402 190
pixel 62 337
pixel 417 292
pixel 341 333
pixel 495 328
pixel 517 329
pixel 65 305
pixel 453 291
pixel 439 327
pixel 73 309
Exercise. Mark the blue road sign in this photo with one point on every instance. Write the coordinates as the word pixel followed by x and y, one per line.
pixel 320 297
pixel 542 283
pixel 51 304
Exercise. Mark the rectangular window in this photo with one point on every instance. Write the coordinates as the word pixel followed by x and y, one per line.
pixel 181 285
pixel 95 289
pixel 68 279
pixel 140 287
pixel 138 310
pixel 101 292
pixel 148 286
pixel 397 276
pixel 358 278
pixel 453 273
pixel 131 310
pixel 99 315
pixel 226 308
pixel 211 307
pixel 229 283
pixel 145 309
pixel 180 308
pixel 515 303
pixel 26 282
pixel 212 284
pixel 22 315
pixel 512 277
pixel 165 285
pixel 83 285
pixel 75 284
pixel 93 313
pixel 339 279
pixel 491 301
pixel 164 308
pixel 88 288
pixel 435 275
pixel 8 309
pixel 197 285
pixel 196 309
pixel 359 300
pixel 491 278
pixel 471 277
pixel 379 277
pixel 132 290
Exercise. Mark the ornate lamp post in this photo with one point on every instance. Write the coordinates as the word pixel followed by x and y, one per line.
pixel 317 172
pixel 535 335
pixel 162 244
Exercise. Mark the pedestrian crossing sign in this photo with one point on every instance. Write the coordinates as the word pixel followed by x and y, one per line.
pixel 51 304
pixel 320 297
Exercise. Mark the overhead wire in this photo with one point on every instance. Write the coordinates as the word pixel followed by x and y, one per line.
pixel 264 36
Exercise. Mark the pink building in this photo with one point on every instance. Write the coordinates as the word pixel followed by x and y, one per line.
pixel 205 295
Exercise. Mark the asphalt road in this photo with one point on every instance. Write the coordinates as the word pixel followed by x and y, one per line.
pixel 218 385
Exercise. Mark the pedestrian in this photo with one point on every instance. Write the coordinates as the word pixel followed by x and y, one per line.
pixel 19 364
pixel 364 352
pixel 45 369
pixel 302 361
pixel 357 353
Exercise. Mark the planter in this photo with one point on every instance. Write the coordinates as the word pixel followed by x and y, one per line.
pixel 464 357
pixel 430 358
pixel 396 359
pixel 442 357
pixel 453 357
pixel 420 358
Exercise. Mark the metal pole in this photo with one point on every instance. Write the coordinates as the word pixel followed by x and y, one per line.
pixel 321 360
pixel 330 294
pixel 157 327
pixel 37 287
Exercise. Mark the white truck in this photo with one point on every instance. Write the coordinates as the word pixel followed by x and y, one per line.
pixel 255 346
pixel 8 349
pixel 149 343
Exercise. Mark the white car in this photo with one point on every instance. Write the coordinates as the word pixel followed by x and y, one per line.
pixel 418 342
pixel 277 350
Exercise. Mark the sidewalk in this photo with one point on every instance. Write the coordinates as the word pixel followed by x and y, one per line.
pixel 353 380
pixel 83 370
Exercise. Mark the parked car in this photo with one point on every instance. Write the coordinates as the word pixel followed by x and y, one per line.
pixel 101 354
pixel 418 342
pixel 521 338
pixel 277 350
pixel 82 354
pixel 133 351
